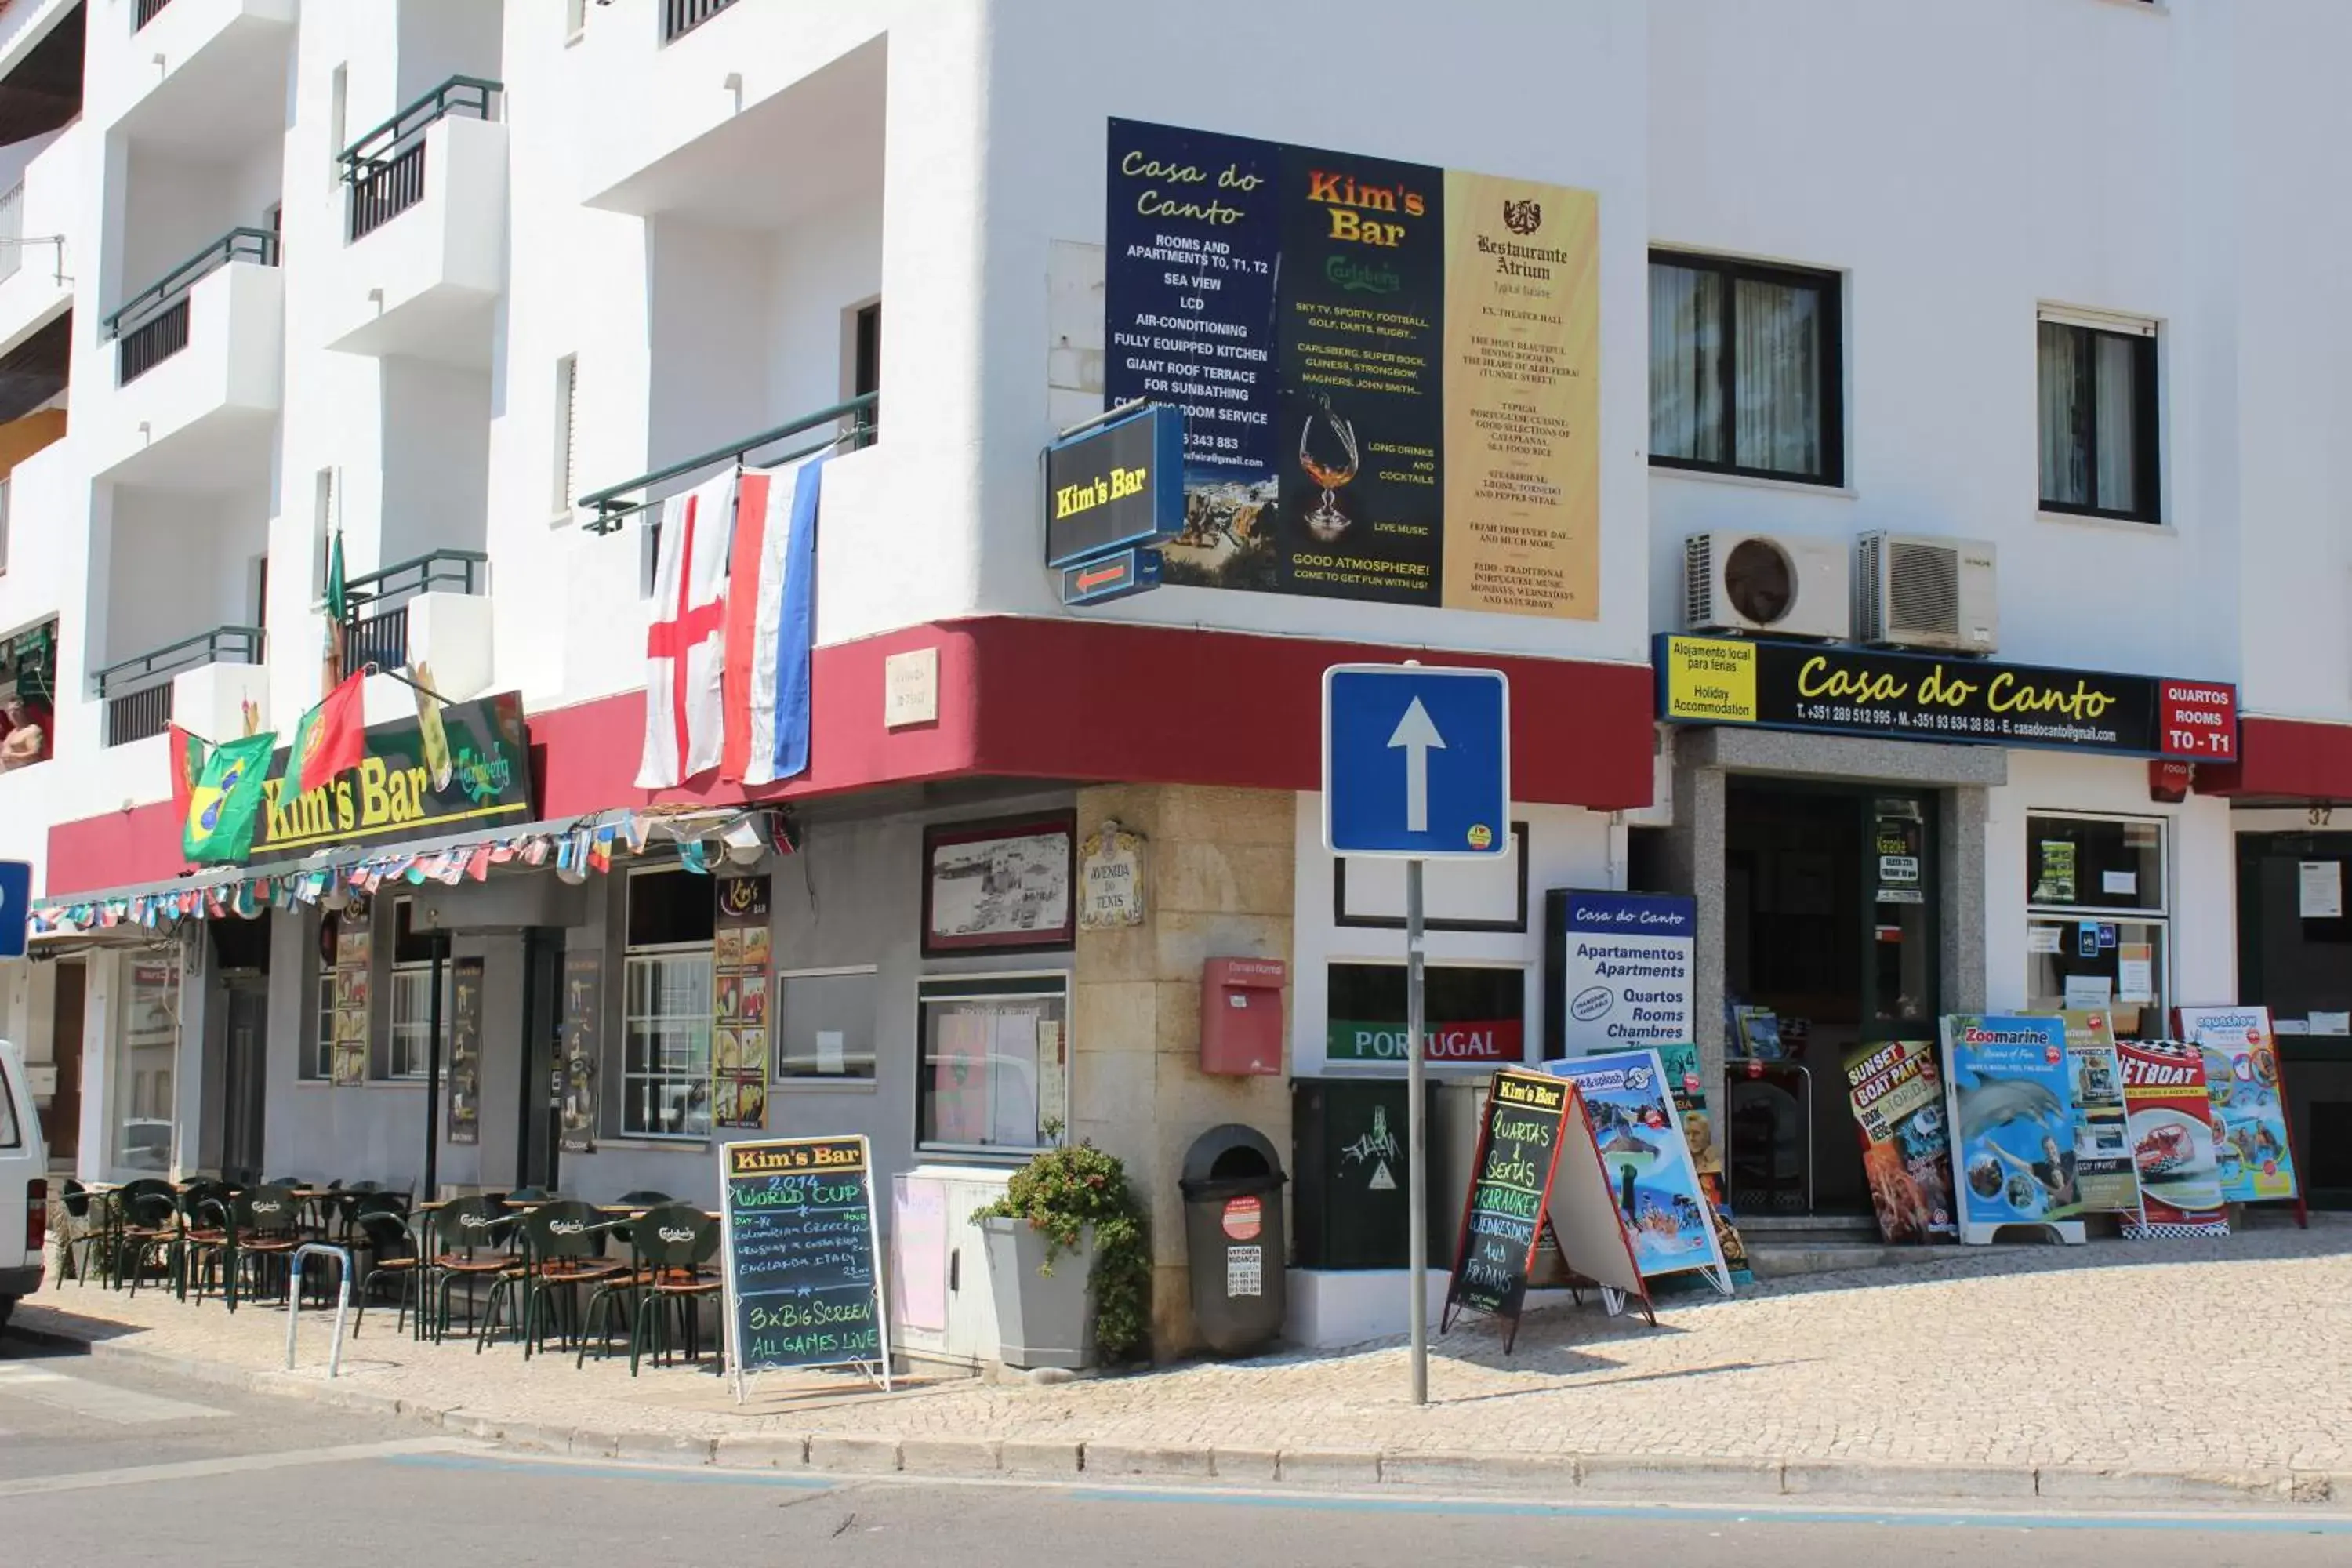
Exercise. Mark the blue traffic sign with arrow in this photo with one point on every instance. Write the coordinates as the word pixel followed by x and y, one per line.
pixel 1416 762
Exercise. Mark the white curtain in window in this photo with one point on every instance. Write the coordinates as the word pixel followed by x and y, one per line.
pixel 2065 460
pixel 2118 416
pixel 1686 363
pixel 1777 360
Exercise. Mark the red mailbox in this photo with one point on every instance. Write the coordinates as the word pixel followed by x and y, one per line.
pixel 1241 1014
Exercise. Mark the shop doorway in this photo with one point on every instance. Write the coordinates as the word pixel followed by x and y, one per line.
pixel 1830 941
pixel 2295 957
pixel 537 1153
pixel 61 1122
pixel 245 1078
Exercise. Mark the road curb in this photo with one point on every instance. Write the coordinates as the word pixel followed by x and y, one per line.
pixel 1683 1477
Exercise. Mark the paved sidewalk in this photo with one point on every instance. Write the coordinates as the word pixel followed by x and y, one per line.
pixel 2166 1369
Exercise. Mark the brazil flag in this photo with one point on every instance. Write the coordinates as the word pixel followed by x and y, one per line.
pixel 227 801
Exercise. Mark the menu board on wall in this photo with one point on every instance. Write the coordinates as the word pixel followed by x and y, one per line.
pixel 1389 372
pixel 352 948
pixel 466 1050
pixel 740 966
pixel 583 997
pixel 801 1285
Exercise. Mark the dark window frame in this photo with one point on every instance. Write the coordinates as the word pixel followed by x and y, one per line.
pixel 2147 463
pixel 1831 288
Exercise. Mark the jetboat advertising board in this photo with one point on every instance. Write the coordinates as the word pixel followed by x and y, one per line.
pixel 2172 1140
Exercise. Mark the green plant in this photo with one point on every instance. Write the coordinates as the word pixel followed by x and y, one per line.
pixel 1063 1191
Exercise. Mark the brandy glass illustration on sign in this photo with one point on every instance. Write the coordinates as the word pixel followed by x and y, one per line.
pixel 1327 450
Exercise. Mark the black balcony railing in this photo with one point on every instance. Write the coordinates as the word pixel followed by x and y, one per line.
pixel 857 421
pixel 147 12
pixel 152 324
pixel 680 17
pixel 376 607
pixel 385 168
pixel 137 691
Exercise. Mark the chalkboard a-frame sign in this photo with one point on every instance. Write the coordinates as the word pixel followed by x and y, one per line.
pixel 1510 1187
pixel 1537 1174
pixel 802 1272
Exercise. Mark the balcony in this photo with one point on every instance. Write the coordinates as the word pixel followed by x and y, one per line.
pixel 854 424
pixel 434 611
pixel 203 76
pixel 424 259
pixel 680 17
pixel 139 693
pixel 199 369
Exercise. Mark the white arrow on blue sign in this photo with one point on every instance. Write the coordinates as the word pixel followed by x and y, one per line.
pixel 1416 762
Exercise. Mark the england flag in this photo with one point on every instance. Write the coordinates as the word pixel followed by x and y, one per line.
pixel 685 641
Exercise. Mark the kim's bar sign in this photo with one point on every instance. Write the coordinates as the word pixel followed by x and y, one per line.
pixel 404 788
pixel 1921 696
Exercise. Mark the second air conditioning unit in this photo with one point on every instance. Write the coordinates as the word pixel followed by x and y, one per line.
pixel 1761 583
pixel 1919 592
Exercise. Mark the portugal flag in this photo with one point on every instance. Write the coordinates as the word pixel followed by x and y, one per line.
pixel 187 767
pixel 331 737
pixel 227 799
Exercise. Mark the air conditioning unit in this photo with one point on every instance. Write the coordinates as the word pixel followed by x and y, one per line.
pixel 1913 590
pixel 1758 582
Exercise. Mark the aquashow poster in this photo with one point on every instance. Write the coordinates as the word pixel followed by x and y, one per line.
pixel 2172 1139
pixel 1628 1101
pixel 1897 1095
pixel 2242 1083
pixel 2012 1113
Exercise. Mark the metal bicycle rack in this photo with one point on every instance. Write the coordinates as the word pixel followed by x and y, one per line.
pixel 342 1302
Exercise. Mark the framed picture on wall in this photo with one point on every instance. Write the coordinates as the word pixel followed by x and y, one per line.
pixel 1002 886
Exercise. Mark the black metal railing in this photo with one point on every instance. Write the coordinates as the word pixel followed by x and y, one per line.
pixel 857 417
pixel 680 17
pixel 152 324
pixel 385 168
pixel 147 11
pixel 137 691
pixel 376 607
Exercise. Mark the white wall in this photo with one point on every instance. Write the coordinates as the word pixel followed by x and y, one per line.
pixel 436 458
pixel 1567 847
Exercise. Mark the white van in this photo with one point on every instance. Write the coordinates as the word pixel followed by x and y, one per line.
pixel 24 1184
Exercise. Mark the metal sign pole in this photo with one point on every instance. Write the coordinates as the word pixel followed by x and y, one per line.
pixel 1416 1135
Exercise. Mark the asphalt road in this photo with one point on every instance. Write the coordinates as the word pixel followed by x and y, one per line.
pixel 102 1463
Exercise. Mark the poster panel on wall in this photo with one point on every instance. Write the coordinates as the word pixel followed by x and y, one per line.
pixel 2173 1140
pixel 576 1081
pixel 1619 970
pixel 2242 1080
pixel 1389 372
pixel 2012 1114
pixel 2104 1171
pixel 1897 1095
pixel 465 1114
pixel 1629 1104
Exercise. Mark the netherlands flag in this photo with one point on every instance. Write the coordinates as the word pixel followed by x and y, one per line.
pixel 771 624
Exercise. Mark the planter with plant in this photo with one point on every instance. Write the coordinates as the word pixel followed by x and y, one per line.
pixel 1069 1260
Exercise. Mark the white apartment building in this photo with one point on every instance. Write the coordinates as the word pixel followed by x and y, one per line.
pixel 472 284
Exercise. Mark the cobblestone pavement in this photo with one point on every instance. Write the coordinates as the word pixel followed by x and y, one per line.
pixel 2221 1356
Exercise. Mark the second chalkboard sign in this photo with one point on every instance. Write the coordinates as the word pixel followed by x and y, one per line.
pixel 803 1285
pixel 1510 1188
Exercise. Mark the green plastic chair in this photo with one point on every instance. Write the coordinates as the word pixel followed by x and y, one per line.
pixel 562 1249
pixel 672 1246
pixel 469 1239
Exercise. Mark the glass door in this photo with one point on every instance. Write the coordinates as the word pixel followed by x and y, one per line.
pixel 1901 974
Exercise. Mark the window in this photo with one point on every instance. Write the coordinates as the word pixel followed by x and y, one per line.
pixel 324 496
pixel 995 1062
pixel 575 20
pixel 1745 368
pixel 1473 1016
pixel 866 363
pixel 11 1136
pixel 339 110
pixel 2097 932
pixel 2098 418
pixel 3 525
pixel 824 1024
pixel 146 1041
pixel 318 1061
pixel 666 1006
pixel 412 995
pixel 567 406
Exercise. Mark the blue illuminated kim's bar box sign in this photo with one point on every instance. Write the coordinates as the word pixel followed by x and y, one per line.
pixel 1117 487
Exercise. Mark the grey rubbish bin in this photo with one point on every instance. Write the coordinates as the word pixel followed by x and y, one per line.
pixel 1233 1238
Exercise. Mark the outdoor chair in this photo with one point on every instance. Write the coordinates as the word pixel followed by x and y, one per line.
pixel 466 1240
pixel 562 1249
pixel 383 1230
pixel 145 1229
pixel 672 1246
pixel 260 1227
pixel 85 1232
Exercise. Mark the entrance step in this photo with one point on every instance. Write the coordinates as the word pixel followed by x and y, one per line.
pixel 1778 1224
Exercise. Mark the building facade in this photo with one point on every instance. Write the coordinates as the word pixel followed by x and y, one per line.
pixel 458 292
